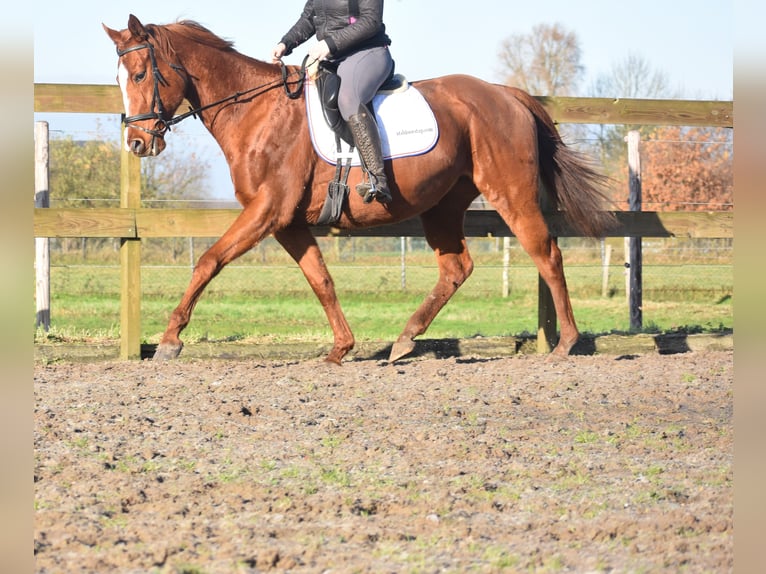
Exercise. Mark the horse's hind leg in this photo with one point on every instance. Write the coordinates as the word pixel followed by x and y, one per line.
pixel 529 227
pixel 443 229
pixel 301 245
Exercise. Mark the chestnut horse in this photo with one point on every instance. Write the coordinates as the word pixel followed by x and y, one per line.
pixel 494 140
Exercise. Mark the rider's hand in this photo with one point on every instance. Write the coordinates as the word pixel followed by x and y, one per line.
pixel 319 51
pixel 277 53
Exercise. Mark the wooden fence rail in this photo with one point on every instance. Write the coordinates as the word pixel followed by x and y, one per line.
pixel 145 223
pixel 131 223
pixel 102 99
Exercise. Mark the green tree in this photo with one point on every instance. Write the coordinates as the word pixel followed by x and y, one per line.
pixel 86 173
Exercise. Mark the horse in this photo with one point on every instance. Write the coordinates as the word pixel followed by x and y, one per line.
pixel 494 140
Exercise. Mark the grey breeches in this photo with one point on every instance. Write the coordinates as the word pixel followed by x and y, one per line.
pixel 361 74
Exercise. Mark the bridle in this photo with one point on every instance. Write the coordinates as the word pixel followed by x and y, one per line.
pixel 158 111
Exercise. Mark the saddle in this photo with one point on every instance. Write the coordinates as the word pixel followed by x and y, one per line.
pixel 328 87
pixel 405 120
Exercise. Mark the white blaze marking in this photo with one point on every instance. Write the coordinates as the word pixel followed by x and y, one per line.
pixel 122 79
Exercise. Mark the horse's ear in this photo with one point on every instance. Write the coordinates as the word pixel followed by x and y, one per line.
pixel 113 34
pixel 137 28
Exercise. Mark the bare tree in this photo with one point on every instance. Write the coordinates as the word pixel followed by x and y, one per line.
pixel 173 177
pixel 633 77
pixel 683 168
pixel 178 174
pixel 544 62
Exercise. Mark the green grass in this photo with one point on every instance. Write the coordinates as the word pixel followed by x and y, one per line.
pixel 274 302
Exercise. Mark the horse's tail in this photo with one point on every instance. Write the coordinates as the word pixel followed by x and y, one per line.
pixel 573 184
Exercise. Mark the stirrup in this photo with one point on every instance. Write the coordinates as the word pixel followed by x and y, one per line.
pixel 366 190
pixel 369 192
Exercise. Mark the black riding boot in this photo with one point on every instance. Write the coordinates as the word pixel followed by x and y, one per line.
pixel 367 140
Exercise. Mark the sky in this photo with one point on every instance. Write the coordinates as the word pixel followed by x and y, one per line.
pixel 690 41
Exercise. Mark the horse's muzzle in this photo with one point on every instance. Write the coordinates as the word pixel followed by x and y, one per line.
pixel 141 148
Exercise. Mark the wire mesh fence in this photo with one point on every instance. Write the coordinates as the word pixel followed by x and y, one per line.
pixel 685 282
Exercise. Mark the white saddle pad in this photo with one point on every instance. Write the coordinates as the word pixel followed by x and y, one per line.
pixel 405 120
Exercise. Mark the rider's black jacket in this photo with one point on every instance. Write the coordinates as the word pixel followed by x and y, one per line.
pixel 347 26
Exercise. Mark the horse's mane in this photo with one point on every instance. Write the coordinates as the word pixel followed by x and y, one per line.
pixel 188 29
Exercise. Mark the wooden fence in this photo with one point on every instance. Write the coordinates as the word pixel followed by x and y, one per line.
pixel 131 223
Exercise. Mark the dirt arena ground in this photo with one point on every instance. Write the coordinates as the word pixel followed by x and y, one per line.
pixel 604 463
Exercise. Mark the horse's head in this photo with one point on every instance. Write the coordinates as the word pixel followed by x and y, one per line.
pixel 152 86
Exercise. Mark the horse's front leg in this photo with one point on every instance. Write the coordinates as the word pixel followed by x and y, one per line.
pixel 248 229
pixel 301 245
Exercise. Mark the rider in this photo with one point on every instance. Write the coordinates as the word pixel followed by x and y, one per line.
pixel 351 35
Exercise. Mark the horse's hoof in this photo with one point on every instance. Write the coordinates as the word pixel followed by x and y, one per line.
pixel 554 357
pixel 558 355
pixel 401 349
pixel 562 350
pixel 166 352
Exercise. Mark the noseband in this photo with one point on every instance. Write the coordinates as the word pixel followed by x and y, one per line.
pixel 158 111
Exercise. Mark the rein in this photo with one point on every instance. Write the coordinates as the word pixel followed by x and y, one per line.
pixel 162 125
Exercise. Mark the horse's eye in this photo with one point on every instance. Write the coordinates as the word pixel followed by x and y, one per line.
pixel 139 77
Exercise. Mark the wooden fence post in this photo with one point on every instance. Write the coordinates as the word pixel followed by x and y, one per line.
pixel 606 259
pixel 506 267
pixel 636 259
pixel 403 263
pixel 42 244
pixel 130 261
